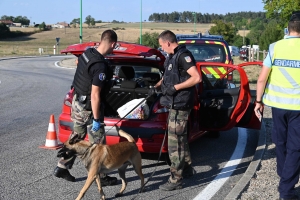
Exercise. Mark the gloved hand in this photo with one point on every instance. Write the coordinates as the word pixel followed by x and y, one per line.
pixel 96 125
pixel 65 153
pixel 171 90
pixel 152 91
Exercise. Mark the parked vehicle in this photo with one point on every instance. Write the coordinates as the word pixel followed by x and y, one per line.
pixel 218 104
pixel 234 51
pixel 244 54
pixel 209 48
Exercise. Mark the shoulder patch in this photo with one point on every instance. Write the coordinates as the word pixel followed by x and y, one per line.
pixel 188 59
pixel 102 77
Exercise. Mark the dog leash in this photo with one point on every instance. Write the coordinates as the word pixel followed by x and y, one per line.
pixel 163 142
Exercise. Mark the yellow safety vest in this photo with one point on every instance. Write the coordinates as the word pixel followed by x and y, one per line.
pixel 283 86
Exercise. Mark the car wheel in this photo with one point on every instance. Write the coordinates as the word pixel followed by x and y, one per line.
pixel 213 134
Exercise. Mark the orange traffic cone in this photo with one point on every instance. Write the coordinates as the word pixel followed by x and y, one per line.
pixel 51 139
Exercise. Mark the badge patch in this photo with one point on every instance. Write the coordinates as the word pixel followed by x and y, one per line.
pixel 102 77
pixel 170 67
pixel 188 59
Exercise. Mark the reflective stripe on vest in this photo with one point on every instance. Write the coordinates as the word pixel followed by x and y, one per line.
pixel 283 87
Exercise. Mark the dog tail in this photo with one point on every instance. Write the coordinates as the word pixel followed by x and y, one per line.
pixel 126 135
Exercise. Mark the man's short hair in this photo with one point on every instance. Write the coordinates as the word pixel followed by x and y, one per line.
pixel 169 36
pixel 294 23
pixel 109 35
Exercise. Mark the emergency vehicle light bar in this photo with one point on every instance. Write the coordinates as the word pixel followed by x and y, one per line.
pixel 199 35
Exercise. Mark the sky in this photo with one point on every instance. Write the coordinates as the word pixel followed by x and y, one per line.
pixel 53 11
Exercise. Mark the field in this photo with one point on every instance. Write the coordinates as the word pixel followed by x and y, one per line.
pixel 128 32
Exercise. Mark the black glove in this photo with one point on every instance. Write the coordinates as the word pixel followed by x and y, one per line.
pixel 171 91
pixel 152 91
pixel 65 153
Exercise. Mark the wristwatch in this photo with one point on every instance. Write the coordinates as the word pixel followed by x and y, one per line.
pixel 97 120
pixel 259 101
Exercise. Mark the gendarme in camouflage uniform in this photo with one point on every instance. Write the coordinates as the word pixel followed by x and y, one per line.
pixel 178 89
pixel 82 120
pixel 90 86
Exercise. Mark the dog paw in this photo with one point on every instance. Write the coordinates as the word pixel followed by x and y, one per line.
pixel 118 195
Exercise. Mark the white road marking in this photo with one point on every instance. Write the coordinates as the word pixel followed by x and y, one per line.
pixel 211 189
pixel 56 64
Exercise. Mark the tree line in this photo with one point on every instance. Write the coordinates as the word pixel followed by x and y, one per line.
pixel 18 19
pixel 239 19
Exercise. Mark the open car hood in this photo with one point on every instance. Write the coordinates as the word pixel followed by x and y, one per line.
pixel 124 51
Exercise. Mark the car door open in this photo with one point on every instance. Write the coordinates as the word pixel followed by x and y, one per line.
pixel 223 100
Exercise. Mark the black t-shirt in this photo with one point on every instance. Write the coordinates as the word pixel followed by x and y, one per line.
pixel 99 74
pixel 186 61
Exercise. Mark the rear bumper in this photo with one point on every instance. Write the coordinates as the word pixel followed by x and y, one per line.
pixel 147 134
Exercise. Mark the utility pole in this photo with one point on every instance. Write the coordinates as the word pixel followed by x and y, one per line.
pixel 80 36
pixel 194 22
pixel 141 25
pixel 244 35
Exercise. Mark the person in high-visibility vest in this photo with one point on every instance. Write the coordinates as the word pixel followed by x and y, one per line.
pixel 278 86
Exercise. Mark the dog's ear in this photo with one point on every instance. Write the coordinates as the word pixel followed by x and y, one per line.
pixel 74 138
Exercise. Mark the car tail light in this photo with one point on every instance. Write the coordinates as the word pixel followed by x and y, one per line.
pixel 157 108
pixel 68 98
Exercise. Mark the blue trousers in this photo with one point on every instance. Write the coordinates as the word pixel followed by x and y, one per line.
pixel 286 137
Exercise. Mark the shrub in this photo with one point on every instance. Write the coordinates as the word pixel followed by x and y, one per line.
pixel 4 31
pixel 150 39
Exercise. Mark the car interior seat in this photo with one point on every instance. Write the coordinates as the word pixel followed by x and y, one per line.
pixel 150 79
pixel 127 74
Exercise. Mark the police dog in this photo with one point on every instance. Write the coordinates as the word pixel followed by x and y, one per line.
pixel 100 158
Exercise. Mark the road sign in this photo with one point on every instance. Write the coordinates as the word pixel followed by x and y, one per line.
pixel 57 39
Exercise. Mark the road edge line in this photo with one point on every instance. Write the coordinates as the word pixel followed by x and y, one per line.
pixel 245 180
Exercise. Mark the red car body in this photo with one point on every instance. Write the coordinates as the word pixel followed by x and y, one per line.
pixel 233 105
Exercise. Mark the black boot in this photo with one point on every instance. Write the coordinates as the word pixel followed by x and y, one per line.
pixel 171 186
pixel 63 173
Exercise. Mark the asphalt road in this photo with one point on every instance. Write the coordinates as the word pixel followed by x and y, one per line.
pixel 31 89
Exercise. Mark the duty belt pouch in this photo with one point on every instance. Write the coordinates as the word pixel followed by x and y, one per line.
pixel 86 101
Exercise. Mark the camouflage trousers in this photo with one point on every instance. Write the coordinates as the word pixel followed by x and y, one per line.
pixel 83 123
pixel 178 147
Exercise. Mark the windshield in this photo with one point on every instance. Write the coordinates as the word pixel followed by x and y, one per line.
pixel 207 52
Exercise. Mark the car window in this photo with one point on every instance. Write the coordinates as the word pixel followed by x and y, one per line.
pixel 138 70
pixel 218 77
pixel 207 52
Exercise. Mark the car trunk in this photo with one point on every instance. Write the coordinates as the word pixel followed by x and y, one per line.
pixel 130 85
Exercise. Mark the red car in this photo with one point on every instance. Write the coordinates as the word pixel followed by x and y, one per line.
pixel 218 105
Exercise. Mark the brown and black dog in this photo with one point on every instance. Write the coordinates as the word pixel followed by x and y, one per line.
pixel 100 158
